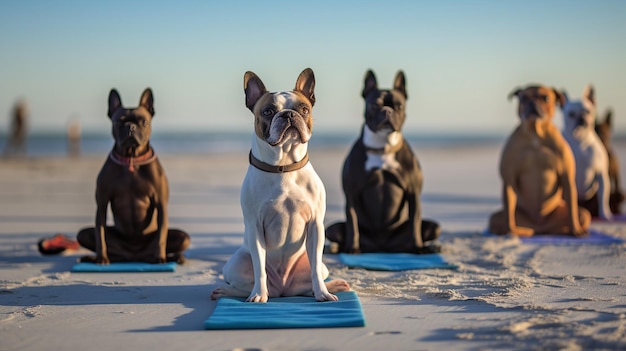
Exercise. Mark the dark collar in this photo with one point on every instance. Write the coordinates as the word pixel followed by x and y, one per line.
pixel 385 150
pixel 278 169
pixel 131 162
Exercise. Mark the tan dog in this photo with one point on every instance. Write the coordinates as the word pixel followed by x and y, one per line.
pixel 538 169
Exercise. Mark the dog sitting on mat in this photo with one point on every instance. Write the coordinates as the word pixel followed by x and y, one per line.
pixel 537 168
pixel 283 202
pixel 382 182
pixel 133 182
pixel 591 156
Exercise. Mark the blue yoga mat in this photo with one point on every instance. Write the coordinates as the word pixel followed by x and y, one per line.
pixel 124 267
pixel 594 238
pixel 395 261
pixel 287 312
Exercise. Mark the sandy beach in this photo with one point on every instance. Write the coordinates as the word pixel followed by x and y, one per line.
pixel 504 295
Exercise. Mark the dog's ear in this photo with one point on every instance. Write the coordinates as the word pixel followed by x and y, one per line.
pixel 400 84
pixel 608 118
pixel 589 94
pixel 254 89
pixel 370 83
pixel 561 97
pixel 565 96
pixel 115 102
pixel 147 101
pixel 514 93
pixel 306 84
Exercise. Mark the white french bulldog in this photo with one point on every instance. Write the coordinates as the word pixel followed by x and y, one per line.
pixel 592 160
pixel 283 202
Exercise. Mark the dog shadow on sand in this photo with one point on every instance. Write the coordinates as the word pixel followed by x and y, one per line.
pixel 204 261
pixel 195 298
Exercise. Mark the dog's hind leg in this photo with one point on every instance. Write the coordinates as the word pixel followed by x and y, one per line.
pixel 337 285
pixel 228 290
pixel 238 276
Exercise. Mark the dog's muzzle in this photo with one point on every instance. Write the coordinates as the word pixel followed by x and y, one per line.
pixel 129 136
pixel 284 121
pixel 385 118
pixel 132 128
pixel 532 110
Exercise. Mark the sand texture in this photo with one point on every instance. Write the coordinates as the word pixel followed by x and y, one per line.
pixel 504 295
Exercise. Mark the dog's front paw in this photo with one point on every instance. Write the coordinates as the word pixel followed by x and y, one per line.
pixel 102 260
pixel 257 297
pixel 606 216
pixel 176 257
pixel 325 296
pixel 580 233
pixel 522 231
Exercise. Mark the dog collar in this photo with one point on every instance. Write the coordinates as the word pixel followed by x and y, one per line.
pixel 131 162
pixel 278 169
pixel 384 150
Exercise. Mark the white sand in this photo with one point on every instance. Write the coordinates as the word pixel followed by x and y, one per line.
pixel 505 294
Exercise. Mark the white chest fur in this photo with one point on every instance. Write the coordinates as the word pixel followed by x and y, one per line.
pixel 381 140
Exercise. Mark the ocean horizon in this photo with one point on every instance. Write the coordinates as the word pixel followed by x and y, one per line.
pixel 54 144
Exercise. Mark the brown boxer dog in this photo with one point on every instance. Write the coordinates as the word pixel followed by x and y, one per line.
pixel 605 132
pixel 538 170
pixel 133 182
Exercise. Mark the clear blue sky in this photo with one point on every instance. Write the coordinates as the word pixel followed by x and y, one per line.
pixel 461 58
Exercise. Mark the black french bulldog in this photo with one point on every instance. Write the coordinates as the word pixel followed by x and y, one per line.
pixel 133 182
pixel 382 182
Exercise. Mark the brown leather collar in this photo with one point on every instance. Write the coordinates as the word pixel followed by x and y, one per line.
pixel 278 169
pixel 131 162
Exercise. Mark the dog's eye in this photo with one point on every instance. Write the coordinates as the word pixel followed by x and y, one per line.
pixel 304 110
pixel 268 112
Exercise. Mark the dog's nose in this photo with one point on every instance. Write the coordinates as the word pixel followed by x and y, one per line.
pixel 386 115
pixel 287 114
pixel 532 109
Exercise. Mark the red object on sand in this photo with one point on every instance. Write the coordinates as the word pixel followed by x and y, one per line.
pixel 56 245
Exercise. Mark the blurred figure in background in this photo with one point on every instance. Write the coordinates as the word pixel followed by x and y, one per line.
pixel 73 137
pixel 16 140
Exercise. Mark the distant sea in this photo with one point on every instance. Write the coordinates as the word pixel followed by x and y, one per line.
pixel 40 144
